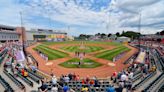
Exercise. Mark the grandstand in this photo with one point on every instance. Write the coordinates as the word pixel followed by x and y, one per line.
pixel 20 73
pixel 135 71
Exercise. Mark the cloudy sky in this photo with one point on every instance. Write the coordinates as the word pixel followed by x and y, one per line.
pixel 85 16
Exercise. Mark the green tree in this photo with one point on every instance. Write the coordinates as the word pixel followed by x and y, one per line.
pixel 131 34
pixel 117 34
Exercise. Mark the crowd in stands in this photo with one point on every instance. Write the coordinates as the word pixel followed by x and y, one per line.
pixel 120 80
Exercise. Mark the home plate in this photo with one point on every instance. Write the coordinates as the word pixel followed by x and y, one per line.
pixel 111 64
pixel 49 63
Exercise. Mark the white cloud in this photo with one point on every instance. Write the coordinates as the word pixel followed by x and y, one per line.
pixel 119 14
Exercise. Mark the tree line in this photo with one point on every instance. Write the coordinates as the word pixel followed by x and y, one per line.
pixel 130 34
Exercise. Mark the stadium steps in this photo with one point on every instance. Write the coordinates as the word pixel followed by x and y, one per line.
pixel 28 88
pixel 161 88
pixel 2 89
pixel 14 79
pixel 146 83
pixel 6 78
pixel 12 84
pixel 157 84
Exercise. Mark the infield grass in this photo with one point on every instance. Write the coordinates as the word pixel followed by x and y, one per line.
pixel 86 63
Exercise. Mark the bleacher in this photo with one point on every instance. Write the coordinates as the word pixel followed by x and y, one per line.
pixel 153 83
pixel 34 74
pixel 161 88
pixel 14 79
pixel 132 57
pixel 78 85
pixel 144 80
pixel 35 77
pixel 6 85
pixel 160 62
pixel 2 55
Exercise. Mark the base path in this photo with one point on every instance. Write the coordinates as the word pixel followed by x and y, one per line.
pixel 103 71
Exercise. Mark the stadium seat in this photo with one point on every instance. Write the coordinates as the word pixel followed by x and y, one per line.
pixel 6 85
pixel 18 83
pixel 26 80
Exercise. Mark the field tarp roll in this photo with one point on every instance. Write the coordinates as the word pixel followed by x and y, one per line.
pixel 141 57
pixel 20 56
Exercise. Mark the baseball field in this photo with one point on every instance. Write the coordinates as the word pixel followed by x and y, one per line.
pixel 68 56
pixel 93 49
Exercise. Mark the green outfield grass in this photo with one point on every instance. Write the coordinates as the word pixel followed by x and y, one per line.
pixel 87 49
pixel 85 42
pixel 51 53
pixel 110 54
pixel 87 63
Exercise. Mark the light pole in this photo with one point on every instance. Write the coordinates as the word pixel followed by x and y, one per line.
pixel 139 29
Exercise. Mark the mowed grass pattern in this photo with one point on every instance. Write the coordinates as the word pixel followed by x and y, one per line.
pixel 51 53
pixel 110 54
pixel 68 64
pixel 84 42
pixel 77 48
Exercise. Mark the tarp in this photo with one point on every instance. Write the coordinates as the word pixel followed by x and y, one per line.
pixel 141 57
pixel 20 56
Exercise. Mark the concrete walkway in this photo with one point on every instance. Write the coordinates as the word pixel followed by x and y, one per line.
pixel 13 85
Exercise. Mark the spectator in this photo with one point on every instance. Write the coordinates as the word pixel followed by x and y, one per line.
pixel 62 78
pixel 135 65
pixel 66 79
pixel 121 83
pixel 96 83
pixel 129 85
pixel 84 89
pixel 110 89
pixel 54 88
pixel 87 80
pixel 123 77
pixel 83 81
pixel 119 89
pixel 54 80
pixel 77 78
pixel 92 82
pixel 13 65
pixel 43 87
pixel 70 76
pixel 33 68
pixel 43 80
pixel 24 73
pixel 131 75
pixel 119 75
pixel 74 76
pixel 153 68
pixel 66 88
pixel 15 72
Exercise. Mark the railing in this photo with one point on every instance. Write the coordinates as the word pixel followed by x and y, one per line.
pixel 153 83
pixel 6 85
pixel 144 80
pixel 26 80
pixel 18 83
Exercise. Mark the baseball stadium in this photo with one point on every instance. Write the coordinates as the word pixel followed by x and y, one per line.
pixel 40 55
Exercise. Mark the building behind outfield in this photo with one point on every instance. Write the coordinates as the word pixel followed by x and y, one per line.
pixel 10 33
pixel 45 35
